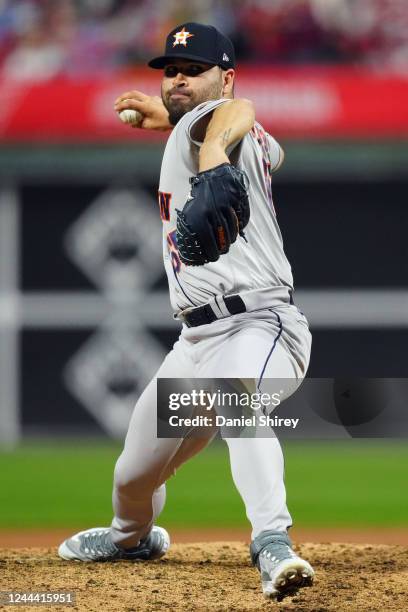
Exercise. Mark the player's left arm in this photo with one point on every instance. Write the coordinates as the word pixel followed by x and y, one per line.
pixel 276 153
pixel 281 159
pixel 229 123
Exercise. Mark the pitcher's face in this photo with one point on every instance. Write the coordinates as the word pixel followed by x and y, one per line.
pixel 186 84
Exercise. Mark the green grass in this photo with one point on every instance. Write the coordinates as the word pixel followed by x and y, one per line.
pixel 350 483
pixel 357 482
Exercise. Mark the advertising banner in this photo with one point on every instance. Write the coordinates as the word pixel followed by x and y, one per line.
pixel 307 103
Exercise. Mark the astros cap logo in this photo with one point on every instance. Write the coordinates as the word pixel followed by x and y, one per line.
pixel 181 37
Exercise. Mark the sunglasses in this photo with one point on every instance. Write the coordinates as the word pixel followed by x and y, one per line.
pixel 191 70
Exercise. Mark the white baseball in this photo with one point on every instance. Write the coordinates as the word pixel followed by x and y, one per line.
pixel 131 116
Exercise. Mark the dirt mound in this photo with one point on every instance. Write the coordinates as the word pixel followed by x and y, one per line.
pixel 214 576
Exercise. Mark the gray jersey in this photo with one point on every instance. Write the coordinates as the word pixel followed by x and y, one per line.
pixel 260 263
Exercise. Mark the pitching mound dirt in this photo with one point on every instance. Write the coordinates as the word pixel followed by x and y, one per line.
pixel 214 576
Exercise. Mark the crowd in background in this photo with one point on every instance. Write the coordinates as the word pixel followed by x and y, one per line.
pixel 45 38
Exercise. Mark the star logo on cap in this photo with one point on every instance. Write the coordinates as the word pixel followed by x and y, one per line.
pixel 181 37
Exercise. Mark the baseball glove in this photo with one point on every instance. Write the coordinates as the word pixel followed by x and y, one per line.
pixel 216 211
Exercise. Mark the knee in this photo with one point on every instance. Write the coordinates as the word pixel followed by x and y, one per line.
pixel 129 476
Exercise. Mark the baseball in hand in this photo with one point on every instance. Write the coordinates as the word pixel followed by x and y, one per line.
pixel 131 116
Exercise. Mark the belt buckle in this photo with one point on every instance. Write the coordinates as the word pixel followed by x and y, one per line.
pixel 183 314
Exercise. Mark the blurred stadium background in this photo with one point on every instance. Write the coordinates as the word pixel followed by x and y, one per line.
pixel 84 313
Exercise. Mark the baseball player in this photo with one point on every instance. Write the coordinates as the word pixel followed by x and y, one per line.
pixel 230 286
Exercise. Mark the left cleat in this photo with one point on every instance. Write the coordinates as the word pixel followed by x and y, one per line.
pixel 96 545
pixel 282 571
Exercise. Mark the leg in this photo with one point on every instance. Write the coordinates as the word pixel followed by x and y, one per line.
pixel 145 464
pixel 147 461
pixel 137 496
pixel 257 463
pixel 139 491
pixel 258 472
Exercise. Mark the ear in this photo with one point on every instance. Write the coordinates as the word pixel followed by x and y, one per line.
pixel 228 83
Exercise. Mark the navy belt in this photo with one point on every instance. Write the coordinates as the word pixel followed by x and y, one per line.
pixel 205 314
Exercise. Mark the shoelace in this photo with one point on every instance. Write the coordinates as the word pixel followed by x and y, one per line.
pixel 280 552
pixel 97 543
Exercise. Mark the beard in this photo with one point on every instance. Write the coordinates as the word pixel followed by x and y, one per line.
pixel 178 108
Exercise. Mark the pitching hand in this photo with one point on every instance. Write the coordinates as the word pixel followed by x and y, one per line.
pixel 155 115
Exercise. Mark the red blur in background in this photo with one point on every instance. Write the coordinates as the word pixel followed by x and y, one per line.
pixel 291 102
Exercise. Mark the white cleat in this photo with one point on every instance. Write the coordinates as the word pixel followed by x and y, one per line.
pixel 286 579
pixel 96 545
pixel 282 571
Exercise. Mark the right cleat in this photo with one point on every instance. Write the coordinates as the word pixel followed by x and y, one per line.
pixel 282 571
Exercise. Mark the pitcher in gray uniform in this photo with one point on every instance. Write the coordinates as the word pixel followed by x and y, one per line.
pixel 237 314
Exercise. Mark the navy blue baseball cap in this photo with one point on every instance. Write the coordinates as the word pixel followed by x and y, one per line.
pixel 195 41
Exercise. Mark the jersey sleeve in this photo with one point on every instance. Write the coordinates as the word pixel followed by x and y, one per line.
pixel 199 114
pixel 275 153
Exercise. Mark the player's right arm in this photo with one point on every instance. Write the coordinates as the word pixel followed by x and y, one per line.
pixel 155 114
